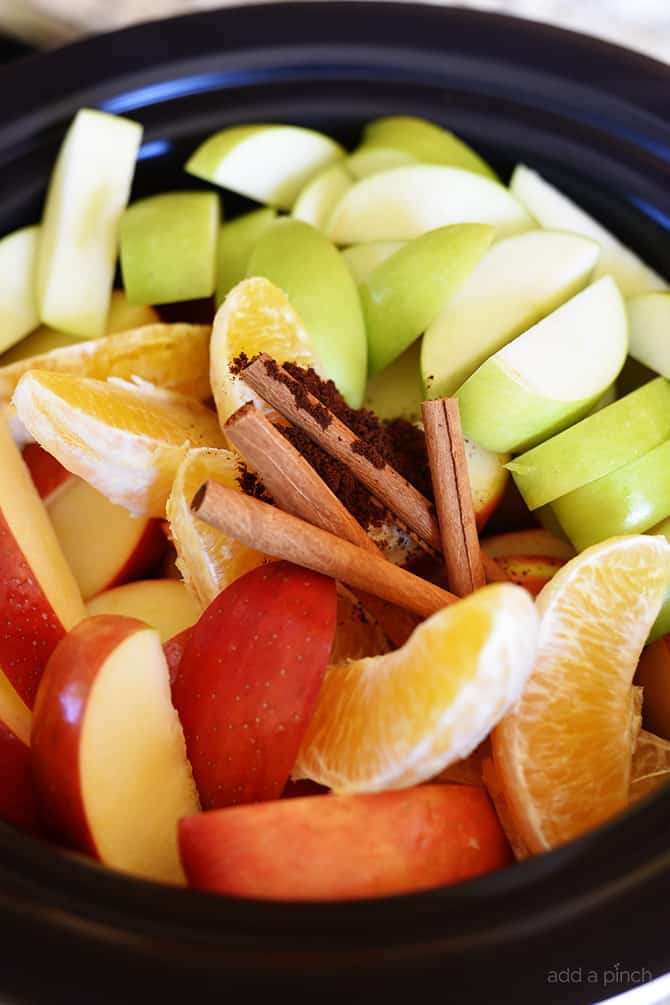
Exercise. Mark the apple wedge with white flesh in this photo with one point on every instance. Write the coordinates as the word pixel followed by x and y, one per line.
pixel 556 211
pixel 109 755
pixel 121 317
pixel 18 295
pixel 598 445
pixel 18 800
pixel 321 194
pixel 424 141
pixel 536 541
pixel 164 604
pixel 39 597
pixel 237 239
pixel 79 238
pixel 551 375
pixel 630 500
pixel 302 262
pixel 363 259
pixel 649 325
pixel 367 160
pixel 407 291
pixel 403 203
pixel 269 163
pixel 518 282
pixel 168 247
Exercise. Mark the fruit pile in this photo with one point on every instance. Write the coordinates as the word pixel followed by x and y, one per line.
pixel 274 619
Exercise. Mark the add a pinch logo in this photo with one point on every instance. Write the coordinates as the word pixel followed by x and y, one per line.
pixel 612 976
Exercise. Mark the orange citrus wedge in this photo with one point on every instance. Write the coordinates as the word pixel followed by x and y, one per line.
pixel 564 753
pixel 207 558
pixel 255 317
pixel 173 356
pixel 398 719
pixel 126 439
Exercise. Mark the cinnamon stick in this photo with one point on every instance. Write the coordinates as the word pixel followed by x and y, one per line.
pixel 297 488
pixel 453 496
pixel 285 394
pixel 266 528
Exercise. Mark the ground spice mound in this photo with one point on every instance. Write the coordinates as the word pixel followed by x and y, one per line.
pixel 251 484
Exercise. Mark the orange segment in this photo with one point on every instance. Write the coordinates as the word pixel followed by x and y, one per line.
pixel 395 720
pixel 564 752
pixel 207 558
pixel 255 317
pixel 173 356
pixel 126 439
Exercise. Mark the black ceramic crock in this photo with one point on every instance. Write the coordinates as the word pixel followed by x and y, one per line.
pixel 579 925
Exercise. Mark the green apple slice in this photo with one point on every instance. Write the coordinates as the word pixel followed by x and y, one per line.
pixel 554 210
pixel 168 247
pixel 596 446
pixel 363 259
pixel 237 239
pixel 269 163
pixel 406 202
pixel 319 197
pixel 366 160
pixel 18 301
pixel 302 261
pixel 78 244
pixel 519 281
pixel 406 292
pixel 397 392
pixel 627 501
pixel 425 142
pixel 551 375
pixel 649 321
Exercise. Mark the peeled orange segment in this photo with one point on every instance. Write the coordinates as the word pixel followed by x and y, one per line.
pixel 126 439
pixel 172 356
pixel 207 558
pixel 255 317
pixel 396 720
pixel 651 765
pixel 564 752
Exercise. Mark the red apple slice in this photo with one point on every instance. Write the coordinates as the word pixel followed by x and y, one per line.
pixel 530 571
pixel 174 650
pixel 47 473
pixel 163 604
pixel 338 847
pixel 249 679
pixel 535 541
pixel 108 752
pixel 18 802
pixel 39 597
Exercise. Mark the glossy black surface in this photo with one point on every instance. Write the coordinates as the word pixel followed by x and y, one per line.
pixel 595 119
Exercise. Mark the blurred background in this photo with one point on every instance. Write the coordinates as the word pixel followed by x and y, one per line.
pixel 639 24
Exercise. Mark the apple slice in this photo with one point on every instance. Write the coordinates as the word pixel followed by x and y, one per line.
pixel 403 203
pixel 78 244
pixel 321 194
pixel 18 298
pixel 649 321
pixel 367 160
pixel 407 291
pixel 168 247
pixel 518 282
pixel 551 375
pixel 39 597
pixel 303 263
pixel 269 163
pixel 396 392
pixel 662 624
pixel 630 500
pixel 237 239
pixel 596 446
pixel 533 572
pixel 342 847
pixel 554 210
pixel 108 751
pixel 363 259
pixel 163 604
pixel 174 650
pixel 535 541
pixel 48 475
pixel 18 800
pixel 258 653
pixel 424 141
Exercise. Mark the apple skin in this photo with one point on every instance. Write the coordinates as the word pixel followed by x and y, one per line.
pixel 304 264
pixel 174 650
pixel 258 653
pixel 321 194
pixel 47 473
pixel 423 141
pixel 341 847
pixel 18 800
pixel 409 289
